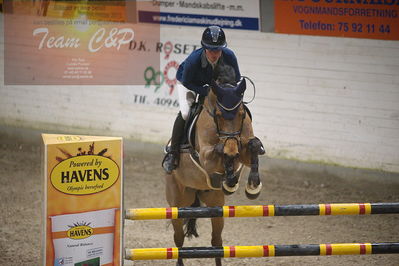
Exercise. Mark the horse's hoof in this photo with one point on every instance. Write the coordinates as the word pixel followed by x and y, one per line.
pixel 229 190
pixel 253 193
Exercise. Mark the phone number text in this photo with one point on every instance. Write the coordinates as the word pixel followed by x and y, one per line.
pixel 345 27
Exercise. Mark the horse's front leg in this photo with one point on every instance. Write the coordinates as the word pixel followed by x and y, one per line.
pixel 254 184
pixel 217 228
pixel 216 160
pixel 230 184
pixel 178 237
pixel 178 196
pixel 211 159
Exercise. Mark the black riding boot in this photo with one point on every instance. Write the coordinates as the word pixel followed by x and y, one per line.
pixel 171 160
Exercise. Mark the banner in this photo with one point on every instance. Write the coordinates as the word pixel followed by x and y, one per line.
pixel 75 43
pixel 83 210
pixel 160 87
pixel 373 19
pixel 234 14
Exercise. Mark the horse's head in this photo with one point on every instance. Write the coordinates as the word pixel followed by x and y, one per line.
pixel 229 115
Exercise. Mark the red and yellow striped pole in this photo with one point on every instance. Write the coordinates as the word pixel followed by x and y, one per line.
pixel 346 249
pixel 248 251
pixel 262 251
pixel 263 210
pixel 345 209
pixel 152 213
pixel 152 253
pixel 248 211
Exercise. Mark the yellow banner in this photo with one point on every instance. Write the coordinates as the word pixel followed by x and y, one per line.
pixel 83 199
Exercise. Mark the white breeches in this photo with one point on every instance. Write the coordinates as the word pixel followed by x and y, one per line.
pixel 186 99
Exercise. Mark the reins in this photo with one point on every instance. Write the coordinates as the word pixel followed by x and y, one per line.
pixel 253 85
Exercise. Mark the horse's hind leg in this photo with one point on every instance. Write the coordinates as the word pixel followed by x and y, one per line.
pixel 254 184
pixel 212 199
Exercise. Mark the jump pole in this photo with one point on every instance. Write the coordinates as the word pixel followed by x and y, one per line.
pixel 263 210
pixel 262 251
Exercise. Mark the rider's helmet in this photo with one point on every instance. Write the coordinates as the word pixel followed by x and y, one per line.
pixel 213 38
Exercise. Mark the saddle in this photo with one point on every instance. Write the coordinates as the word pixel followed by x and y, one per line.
pixel 188 141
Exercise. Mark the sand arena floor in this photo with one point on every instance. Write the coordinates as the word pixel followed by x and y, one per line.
pixel 284 183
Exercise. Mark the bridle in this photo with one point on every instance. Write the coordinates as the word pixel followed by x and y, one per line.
pixel 224 135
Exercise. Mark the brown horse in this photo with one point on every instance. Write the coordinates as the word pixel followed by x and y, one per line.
pixel 224 142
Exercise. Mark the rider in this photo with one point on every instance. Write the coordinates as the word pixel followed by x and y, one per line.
pixel 196 73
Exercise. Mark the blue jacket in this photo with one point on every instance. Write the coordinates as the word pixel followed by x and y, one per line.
pixel 196 71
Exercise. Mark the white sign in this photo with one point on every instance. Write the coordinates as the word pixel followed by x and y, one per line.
pixel 234 14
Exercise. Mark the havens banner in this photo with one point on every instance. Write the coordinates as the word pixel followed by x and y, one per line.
pixel 233 14
pixel 83 200
pixel 373 19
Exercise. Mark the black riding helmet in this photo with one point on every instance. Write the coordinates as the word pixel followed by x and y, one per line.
pixel 213 38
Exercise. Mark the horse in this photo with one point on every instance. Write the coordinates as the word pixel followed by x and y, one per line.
pixel 224 142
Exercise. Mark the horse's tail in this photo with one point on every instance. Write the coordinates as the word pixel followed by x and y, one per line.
pixel 191 223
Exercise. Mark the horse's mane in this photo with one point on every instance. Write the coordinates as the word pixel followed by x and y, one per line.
pixel 225 75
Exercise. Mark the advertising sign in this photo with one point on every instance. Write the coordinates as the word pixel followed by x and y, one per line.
pixel 160 87
pixel 83 197
pixel 234 14
pixel 373 19
pixel 75 43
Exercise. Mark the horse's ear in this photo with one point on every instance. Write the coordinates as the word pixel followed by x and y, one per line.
pixel 241 87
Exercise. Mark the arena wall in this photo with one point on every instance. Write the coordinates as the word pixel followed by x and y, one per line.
pixel 318 99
